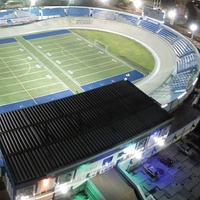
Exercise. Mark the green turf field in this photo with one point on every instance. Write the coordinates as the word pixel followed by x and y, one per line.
pixel 34 68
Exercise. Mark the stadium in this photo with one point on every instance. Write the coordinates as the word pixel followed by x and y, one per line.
pixel 34 164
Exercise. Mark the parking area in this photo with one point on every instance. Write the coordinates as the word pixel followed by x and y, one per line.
pixel 179 181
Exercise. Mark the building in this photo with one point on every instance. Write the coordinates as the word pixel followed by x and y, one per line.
pixel 68 141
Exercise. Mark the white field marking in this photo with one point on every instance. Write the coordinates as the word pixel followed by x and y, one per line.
pixel 33 80
pixel 57 37
pixel 37 66
pixel 22 91
pixel 14 60
pixel 97 72
pixel 114 60
pixel 44 86
pixel 70 72
pixel 58 62
pixel 10 47
pixel 20 82
pixel 74 56
pixel 29 58
pixel 93 59
pixel 68 56
pixel 74 80
pixel 13 52
pixel 47 69
pixel 49 76
pixel 80 57
pixel 55 66
pixel 32 73
pixel 11 93
pixel 15 56
pixel 29 81
pixel 75 49
pixel 37 96
pixel 47 43
pixel 17 67
pixel 48 54
pixel 23 75
pixel 100 67
pixel 75 63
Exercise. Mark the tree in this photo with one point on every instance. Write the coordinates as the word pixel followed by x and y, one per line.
pixel 191 10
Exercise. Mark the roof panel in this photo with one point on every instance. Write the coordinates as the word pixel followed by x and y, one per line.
pixel 63 132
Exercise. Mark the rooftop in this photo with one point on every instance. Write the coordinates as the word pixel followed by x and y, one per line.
pixel 40 139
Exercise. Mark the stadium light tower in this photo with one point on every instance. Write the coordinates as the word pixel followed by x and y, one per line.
pixel 193 28
pixel 137 4
pixel 33 2
pixel 172 15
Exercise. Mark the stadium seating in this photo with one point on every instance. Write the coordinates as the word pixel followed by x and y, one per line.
pixel 187 62
pixel 126 19
pixel 84 12
pixel 167 35
pixel 53 12
pixel 32 10
pixel 103 14
pixel 149 25
pixel 181 47
pixel 4 14
pixel 181 80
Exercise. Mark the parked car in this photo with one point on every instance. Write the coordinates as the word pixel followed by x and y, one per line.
pixel 165 160
pixel 150 170
pixel 184 148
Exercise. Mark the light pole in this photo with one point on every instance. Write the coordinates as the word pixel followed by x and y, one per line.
pixel 137 4
pixel 193 28
pixel 172 15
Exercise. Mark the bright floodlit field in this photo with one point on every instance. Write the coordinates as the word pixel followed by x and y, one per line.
pixel 42 66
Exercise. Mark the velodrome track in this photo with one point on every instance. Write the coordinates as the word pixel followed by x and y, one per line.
pixel 165 58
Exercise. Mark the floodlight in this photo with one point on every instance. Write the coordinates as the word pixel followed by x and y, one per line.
pixel 137 4
pixel 193 28
pixel 138 154
pixel 33 2
pixel 24 198
pixel 172 15
pixel 128 149
pixel 45 182
pixel 64 189
pixel 159 141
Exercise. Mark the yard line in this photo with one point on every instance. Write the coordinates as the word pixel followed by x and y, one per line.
pixel 72 55
pixel 17 50
pixel 96 72
pixel 44 86
pixel 103 66
pixel 47 69
pixel 47 44
pixel 9 47
pixel 75 57
pixel 19 81
pixel 57 38
pixel 55 67
pixel 11 93
pixel 4 78
pixel 79 52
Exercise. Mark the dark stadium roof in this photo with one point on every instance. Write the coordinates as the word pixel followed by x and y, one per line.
pixel 40 139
